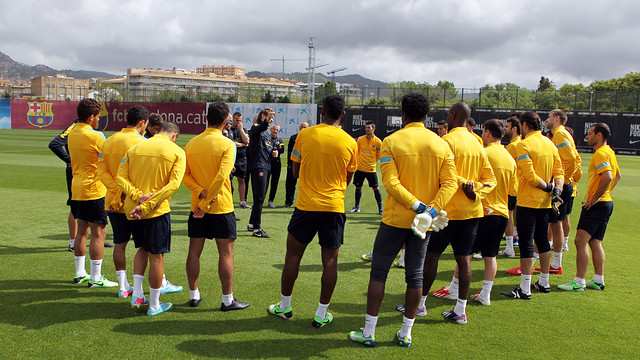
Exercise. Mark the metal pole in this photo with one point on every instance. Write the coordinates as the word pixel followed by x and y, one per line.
pixel 517 98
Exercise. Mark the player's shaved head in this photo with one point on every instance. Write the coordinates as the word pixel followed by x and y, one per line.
pixel 458 115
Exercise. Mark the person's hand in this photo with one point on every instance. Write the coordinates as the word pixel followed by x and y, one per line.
pixel 136 213
pixel 440 222
pixel 469 190
pixel 203 194
pixel 274 153
pixel 144 198
pixel 556 201
pixel 589 203
pixel 421 224
pixel 198 213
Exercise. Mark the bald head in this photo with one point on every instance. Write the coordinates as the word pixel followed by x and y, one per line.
pixel 458 115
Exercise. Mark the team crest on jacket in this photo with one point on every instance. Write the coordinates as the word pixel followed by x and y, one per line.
pixel 103 118
pixel 39 114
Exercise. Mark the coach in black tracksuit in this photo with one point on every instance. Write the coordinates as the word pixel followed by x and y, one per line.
pixel 277 146
pixel 290 183
pixel 259 165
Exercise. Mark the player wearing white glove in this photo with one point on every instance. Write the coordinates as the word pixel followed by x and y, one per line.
pixel 406 156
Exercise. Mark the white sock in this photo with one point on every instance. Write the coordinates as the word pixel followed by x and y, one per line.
pixel 544 280
pixel 566 240
pixel 122 279
pixel 525 284
pixel 536 256
pixel 407 324
pixel 227 299
pixel 194 294
pixel 164 281
pixel 401 259
pixel 423 300
pixel 460 306
pixel 580 282
pixel 154 299
pixel 598 279
pixel 369 325
pixel 453 287
pixel 72 242
pixel 485 293
pixel 96 269
pixel 551 244
pixel 322 310
pixel 285 301
pixel 80 271
pixel 557 260
pixel 509 248
pixel 137 285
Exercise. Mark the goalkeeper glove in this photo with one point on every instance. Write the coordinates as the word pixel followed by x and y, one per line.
pixel 556 201
pixel 423 220
pixel 440 222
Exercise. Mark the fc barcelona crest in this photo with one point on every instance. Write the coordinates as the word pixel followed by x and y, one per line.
pixel 39 114
pixel 104 118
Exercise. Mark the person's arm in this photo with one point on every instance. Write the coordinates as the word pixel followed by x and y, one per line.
pixel 109 181
pixel 292 141
pixel 567 156
pixel 526 164
pixel 448 183
pixel 603 184
pixel 226 165
pixel 190 182
pixel 243 135
pixel 280 147
pixel 378 154
pixel 487 181
pixel 177 173
pixel 296 170
pixel 57 146
pixel 123 181
pixel 391 178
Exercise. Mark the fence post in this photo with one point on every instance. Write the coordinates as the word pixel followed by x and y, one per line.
pixel 535 101
pixel 615 104
pixel 575 100
pixel 517 93
pixel 480 98
pixel 462 95
pixel 595 101
pixel 444 97
pixel 637 100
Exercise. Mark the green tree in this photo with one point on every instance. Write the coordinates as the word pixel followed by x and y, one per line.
pixel 324 90
pixel 283 99
pixel 545 84
pixel 267 97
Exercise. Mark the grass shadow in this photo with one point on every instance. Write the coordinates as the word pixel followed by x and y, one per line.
pixel 318 267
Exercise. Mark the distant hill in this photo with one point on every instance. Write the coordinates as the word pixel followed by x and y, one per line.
pixel 354 79
pixel 13 70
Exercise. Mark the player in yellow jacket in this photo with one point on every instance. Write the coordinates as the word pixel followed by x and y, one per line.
pixel 407 155
pixel 149 174
pixel 540 180
pixel 325 158
pixel 210 160
pixel 563 141
pixel 87 193
pixel 603 176
pixel 368 157
pixel 512 131
pixel 475 180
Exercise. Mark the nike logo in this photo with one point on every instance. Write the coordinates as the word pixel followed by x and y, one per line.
pixel 391 130
pixel 631 142
pixel 357 129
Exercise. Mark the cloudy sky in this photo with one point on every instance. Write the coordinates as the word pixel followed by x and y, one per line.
pixel 471 43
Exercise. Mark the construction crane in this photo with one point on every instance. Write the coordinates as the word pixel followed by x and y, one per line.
pixel 334 71
pixel 283 60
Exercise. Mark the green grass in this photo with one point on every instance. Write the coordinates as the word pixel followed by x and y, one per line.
pixel 43 314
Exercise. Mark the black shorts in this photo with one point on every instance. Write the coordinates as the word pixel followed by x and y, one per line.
pixel 153 235
pixel 567 190
pixel 241 168
pixel 512 202
pixel 489 234
pixel 594 221
pixel 212 226
pixel 389 241
pixel 328 225
pixel 121 227
pixel 69 176
pixel 570 205
pixel 89 210
pixel 533 224
pixel 359 176
pixel 461 234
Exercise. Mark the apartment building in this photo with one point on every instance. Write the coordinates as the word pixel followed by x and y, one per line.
pixel 60 87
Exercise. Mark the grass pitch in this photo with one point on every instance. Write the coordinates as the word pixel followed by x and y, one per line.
pixel 42 314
